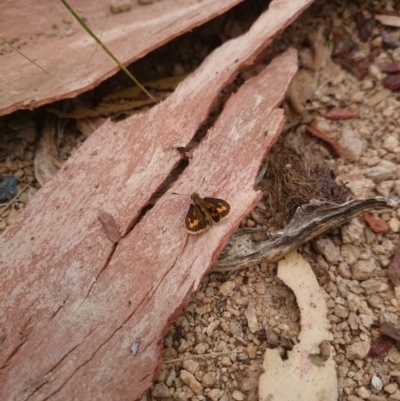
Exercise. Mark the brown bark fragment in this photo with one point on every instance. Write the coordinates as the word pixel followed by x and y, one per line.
pixel 389 67
pixel 110 226
pixel 338 113
pixel 380 347
pixel 333 146
pixel 50 34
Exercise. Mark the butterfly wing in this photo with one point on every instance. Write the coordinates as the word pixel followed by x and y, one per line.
pixel 217 208
pixel 195 222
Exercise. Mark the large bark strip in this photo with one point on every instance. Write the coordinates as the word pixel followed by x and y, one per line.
pixel 73 302
pixel 76 62
pixel 83 350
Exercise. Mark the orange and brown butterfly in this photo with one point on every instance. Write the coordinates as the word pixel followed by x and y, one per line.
pixel 204 212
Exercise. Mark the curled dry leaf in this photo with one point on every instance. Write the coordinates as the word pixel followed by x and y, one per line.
pixel 334 147
pixel 376 224
pixel 338 113
pixel 380 347
pixel 393 270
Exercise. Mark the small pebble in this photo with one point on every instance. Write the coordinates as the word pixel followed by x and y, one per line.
pixel 215 394
pixel 160 390
pixel 191 382
pixel 238 395
pixel 391 143
pixel 8 188
pixel 391 388
pixel 376 382
pixel 363 270
pixel 357 350
pixel 227 288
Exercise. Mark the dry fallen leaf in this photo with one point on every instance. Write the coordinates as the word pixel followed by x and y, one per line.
pixel 338 113
pixel 376 224
pixel 307 374
pixel 334 147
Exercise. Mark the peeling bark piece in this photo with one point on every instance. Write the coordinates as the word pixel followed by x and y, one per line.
pixel 110 226
pixel 306 374
pixel 335 148
pixel 309 221
pixel 393 270
pixel 105 298
pixel 376 224
pixel 390 329
pixel 380 347
pixel 340 114
pixel 84 64
pixel 392 82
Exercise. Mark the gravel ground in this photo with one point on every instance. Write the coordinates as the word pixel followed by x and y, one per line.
pixel 214 351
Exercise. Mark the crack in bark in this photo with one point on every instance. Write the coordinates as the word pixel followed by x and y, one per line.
pixel 107 262
pixel 13 352
pixel 145 298
pixel 55 367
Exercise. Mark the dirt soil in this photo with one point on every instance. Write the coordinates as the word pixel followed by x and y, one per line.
pixel 210 352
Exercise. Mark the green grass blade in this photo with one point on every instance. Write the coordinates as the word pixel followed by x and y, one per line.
pixel 24 55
